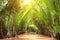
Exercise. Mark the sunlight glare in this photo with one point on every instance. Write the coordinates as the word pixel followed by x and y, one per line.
pixel 26 1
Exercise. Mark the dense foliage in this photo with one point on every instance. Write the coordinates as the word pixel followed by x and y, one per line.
pixel 40 16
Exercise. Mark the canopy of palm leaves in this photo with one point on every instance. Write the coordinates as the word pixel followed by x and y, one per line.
pixel 39 15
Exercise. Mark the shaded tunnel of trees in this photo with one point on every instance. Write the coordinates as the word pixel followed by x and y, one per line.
pixel 42 18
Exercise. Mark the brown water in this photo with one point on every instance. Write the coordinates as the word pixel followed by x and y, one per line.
pixel 29 36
